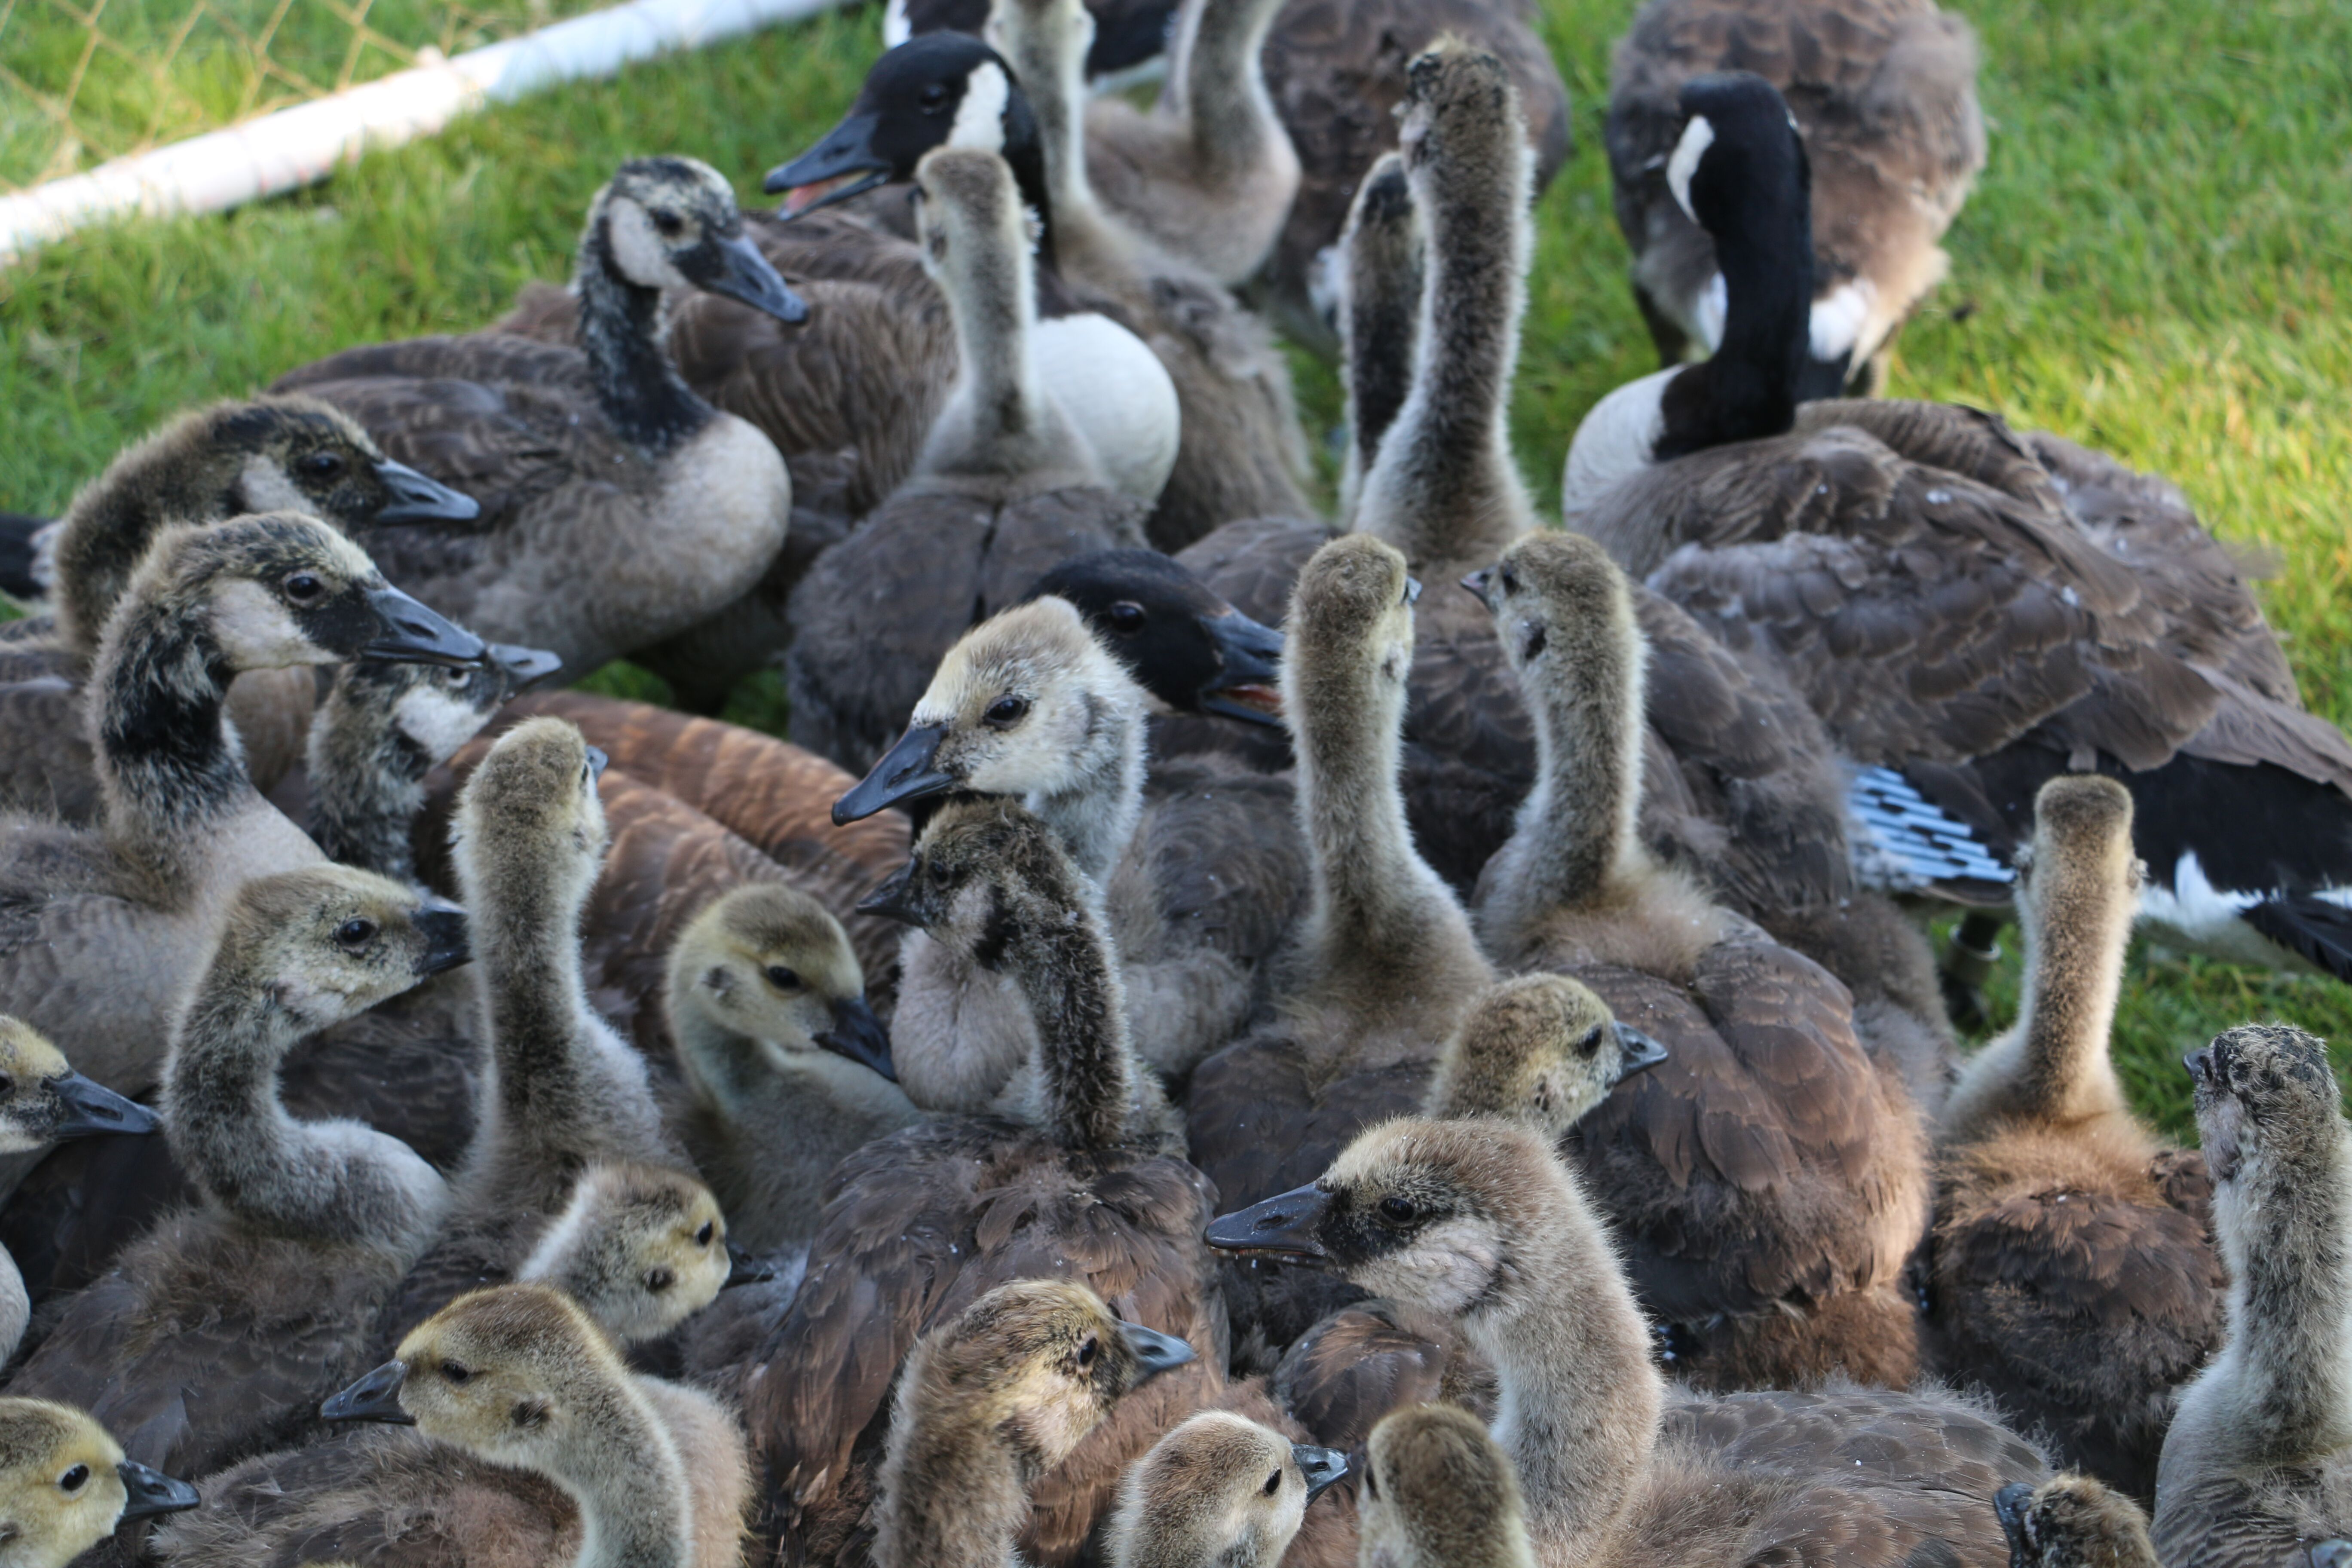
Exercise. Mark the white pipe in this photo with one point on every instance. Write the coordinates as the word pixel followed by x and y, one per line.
pixel 298 146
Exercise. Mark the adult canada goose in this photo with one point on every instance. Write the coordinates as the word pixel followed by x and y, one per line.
pixel 529 840
pixel 1190 649
pixel 640 1250
pixel 1239 451
pixel 2072 1521
pixel 1440 1493
pixel 1197 885
pixel 991 1400
pixel 1478 1222
pixel 787 1069
pixel 923 1221
pixel 215 1334
pixel 43 1102
pixel 1004 489
pixel 1884 97
pixel 519 1376
pixel 1219 1490
pixel 2255 1464
pixel 101 929
pixel 64 1485
pixel 620 506
pixel 1776 1252
pixel 2070 1273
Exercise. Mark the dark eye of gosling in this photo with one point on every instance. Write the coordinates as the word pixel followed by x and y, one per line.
pixel 1007 712
pixel 455 1371
pixel 1087 1353
pixel 702 1237
pixel 319 465
pixel 1273 1484
pixel 783 979
pixel 303 588
pixel 73 1479
pixel 1127 615
pixel 354 933
pixel 1591 1042
pixel 659 1278
pixel 1397 1211
pixel 1511 580
pixel 670 225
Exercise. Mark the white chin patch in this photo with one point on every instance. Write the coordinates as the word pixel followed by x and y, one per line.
pixel 438 720
pixel 896 30
pixel 1839 317
pixel 1697 137
pixel 979 118
pixel 257 631
pixel 640 253
pixel 262 486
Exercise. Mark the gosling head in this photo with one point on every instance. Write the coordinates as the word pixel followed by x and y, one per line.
pixel 327 942
pixel 1028 705
pixel 64 1485
pixel 269 454
pixel 944 88
pixel 1434 1214
pixel 1193 652
pixel 1350 617
pixel 531 806
pixel 968 214
pixel 1218 1491
pixel 278 590
pixel 2072 1521
pixel 43 1101
pixel 1439 1492
pixel 1540 1048
pixel 1038 1363
pixel 2082 845
pixel 1461 114
pixel 416 716
pixel 672 223
pixel 769 963
pixel 983 870
pixel 2269 1114
pixel 1561 604
pixel 641 1249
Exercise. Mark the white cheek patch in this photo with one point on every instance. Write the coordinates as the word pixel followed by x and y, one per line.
pixel 640 253
pixel 979 118
pixel 1447 1266
pixel 1697 137
pixel 439 721
pixel 895 28
pixel 1839 317
pixel 262 486
pixel 257 631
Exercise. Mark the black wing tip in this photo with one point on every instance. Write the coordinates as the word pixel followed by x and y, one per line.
pixel 2317 931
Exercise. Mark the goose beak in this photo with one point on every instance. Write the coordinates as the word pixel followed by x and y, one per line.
pixel 2010 1504
pixel 2200 1063
pixel 859 1035
pixel 1156 1351
pixel 1323 1467
pixel 745 275
pixel 1477 583
pixel 905 773
pixel 742 1268
pixel 524 668
pixel 408 633
pixel 1641 1052
pixel 843 165
pixel 90 1108
pixel 443 926
pixel 891 900
pixel 1248 682
pixel 416 499
pixel 1282 1227
pixel 375 1398
pixel 1412 590
pixel 146 1493
pixel 599 759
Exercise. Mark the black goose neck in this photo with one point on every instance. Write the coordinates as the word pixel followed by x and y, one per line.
pixel 1748 388
pixel 620 332
pixel 1024 153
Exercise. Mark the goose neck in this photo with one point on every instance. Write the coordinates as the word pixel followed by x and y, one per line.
pixel 1096 816
pixel 2282 1382
pixel 362 805
pixel 620 334
pixel 993 292
pixel 1064 965
pixel 1767 261
pixel 1578 831
pixel 1366 876
pixel 2073 973
pixel 624 1472
pixel 955 1492
pixel 527 948
pixel 1038 40
pixel 1216 83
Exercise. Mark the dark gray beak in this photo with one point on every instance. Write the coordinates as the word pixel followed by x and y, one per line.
pixel 891 900
pixel 1412 590
pixel 905 773
pixel 742 1268
pixel 2332 1554
pixel 1157 1352
pixel 524 668
pixel 843 165
pixel 410 633
pixel 415 498
pixel 443 925
pixel 2010 1504
pixel 1642 1052
pixel 745 275
pixel 1248 683
pixel 90 1108
pixel 598 761
pixel 1323 1467
pixel 375 1398
pixel 1477 583
pixel 147 1493
pixel 2200 1063
pixel 1282 1227
pixel 859 1035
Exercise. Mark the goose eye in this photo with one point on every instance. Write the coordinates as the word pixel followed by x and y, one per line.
pixel 702 1237
pixel 1511 580
pixel 1127 615
pixel 1591 1042
pixel 1273 1484
pixel 659 1278
pixel 933 98
pixel 455 676
pixel 318 465
pixel 1007 712
pixel 73 1479
pixel 1087 1351
pixel 670 223
pixel 455 1371
pixel 1397 1211
pixel 783 979
pixel 303 588
pixel 354 933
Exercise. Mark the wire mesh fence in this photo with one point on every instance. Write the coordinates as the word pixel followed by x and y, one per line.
pixel 82 81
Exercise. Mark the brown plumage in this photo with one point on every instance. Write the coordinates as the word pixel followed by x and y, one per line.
pixel 1883 93
pixel 1441 1493
pixel 921 1222
pixel 2255 1466
pixel 2072 1521
pixel 2070 1277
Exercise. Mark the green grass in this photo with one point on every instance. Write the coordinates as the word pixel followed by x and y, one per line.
pixel 2155 262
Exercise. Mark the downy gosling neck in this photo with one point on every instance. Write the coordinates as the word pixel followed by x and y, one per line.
pixel 1046 43
pixel 1216 83
pixel 620 333
pixel 367 772
pixel 1061 958
pixel 1384 257
pixel 626 1477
